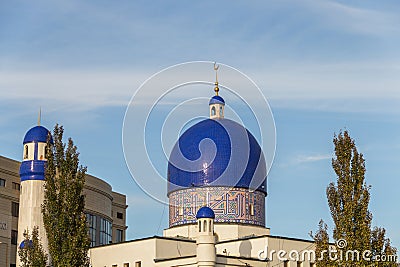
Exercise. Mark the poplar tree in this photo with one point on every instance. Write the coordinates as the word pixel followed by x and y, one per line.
pixel 64 202
pixel 31 253
pixel 321 239
pixel 348 202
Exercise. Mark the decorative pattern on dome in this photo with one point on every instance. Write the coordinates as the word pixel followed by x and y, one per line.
pixel 230 205
pixel 217 153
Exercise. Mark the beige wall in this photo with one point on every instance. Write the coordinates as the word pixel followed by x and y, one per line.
pixel 223 231
pixel 144 250
pixel 9 171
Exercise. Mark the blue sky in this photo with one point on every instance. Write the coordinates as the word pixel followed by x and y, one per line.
pixel 323 66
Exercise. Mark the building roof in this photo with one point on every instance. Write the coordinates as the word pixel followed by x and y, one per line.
pixel 37 134
pixel 217 100
pixel 205 212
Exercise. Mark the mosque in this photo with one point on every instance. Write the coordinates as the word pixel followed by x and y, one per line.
pixel 216 204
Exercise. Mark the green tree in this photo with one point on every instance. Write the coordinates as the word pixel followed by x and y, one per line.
pixel 321 239
pixel 32 253
pixel 64 202
pixel 348 201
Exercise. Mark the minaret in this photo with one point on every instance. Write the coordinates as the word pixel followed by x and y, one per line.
pixel 32 174
pixel 205 241
pixel 217 103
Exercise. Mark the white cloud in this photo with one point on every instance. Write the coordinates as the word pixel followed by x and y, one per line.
pixel 312 158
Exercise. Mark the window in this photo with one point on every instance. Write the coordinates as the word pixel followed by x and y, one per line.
pixel 14 209
pixel 16 186
pixel 41 151
pixel 114 265
pixel 205 226
pixel 120 236
pixel 220 111
pixel 105 231
pixel 209 226
pixel 286 264
pixel 180 211
pixel 126 264
pixel 251 208
pixel 91 221
pixel 138 264
pixel 120 215
pixel 14 237
pixel 199 226
pixel 299 264
pixel 213 111
pixel 2 182
pixel 26 151
pixel 29 151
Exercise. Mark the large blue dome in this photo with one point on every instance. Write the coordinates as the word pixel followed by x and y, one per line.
pixel 217 153
pixel 36 134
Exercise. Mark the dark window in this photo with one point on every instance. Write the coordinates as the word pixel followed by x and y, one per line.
pixel 14 237
pixel 14 209
pixel 16 186
pixel 26 152
pixel 2 182
pixel 105 231
pixel 92 222
pixel 120 215
pixel 120 236
pixel 13 265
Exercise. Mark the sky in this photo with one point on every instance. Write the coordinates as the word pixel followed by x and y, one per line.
pixel 324 66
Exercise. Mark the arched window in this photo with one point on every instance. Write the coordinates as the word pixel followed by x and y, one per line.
pixel 26 150
pixel 220 111
pixel 199 226
pixel 209 226
pixel 213 111
pixel 205 227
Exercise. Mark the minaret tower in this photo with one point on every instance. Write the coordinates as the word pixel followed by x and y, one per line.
pixel 205 240
pixel 32 174
pixel 217 103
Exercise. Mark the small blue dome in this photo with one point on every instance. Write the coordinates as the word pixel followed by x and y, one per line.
pixel 217 153
pixel 22 245
pixel 205 212
pixel 216 100
pixel 37 134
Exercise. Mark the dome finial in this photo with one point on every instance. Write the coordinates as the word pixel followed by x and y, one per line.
pixel 216 67
pixel 39 116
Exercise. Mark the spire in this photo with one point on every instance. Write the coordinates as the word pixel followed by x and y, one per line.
pixel 216 88
pixel 39 116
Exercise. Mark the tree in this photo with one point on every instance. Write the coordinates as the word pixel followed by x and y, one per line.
pixel 63 206
pixel 31 252
pixel 348 201
pixel 321 239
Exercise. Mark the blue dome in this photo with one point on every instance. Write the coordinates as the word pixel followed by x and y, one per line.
pixel 217 100
pixel 22 245
pixel 217 153
pixel 205 212
pixel 37 134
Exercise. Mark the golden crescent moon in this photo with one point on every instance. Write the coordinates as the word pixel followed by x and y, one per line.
pixel 216 67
